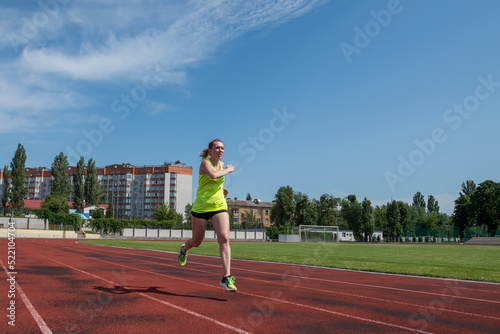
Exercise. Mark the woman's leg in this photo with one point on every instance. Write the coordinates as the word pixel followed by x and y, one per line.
pixel 220 222
pixel 198 227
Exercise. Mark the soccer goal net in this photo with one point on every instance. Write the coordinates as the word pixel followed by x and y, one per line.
pixel 314 233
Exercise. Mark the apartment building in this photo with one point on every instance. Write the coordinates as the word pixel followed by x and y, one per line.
pixel 136 191
pixel 261 210
pixel 38 182
pixel 133 191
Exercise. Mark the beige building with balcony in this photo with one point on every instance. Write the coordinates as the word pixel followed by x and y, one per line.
pixel 261 210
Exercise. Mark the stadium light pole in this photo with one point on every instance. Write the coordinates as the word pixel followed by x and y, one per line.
pixel 336 223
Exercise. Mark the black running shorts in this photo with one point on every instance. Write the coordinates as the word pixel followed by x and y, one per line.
pixel 206 215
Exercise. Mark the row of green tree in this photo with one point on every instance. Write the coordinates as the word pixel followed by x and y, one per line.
pixel 478 206
pixel 87 188
pixel 475 207
pixel 55 210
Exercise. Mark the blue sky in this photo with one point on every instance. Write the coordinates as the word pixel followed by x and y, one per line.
pixel 380 99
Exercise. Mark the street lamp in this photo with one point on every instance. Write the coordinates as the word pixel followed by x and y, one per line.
pixel 336 222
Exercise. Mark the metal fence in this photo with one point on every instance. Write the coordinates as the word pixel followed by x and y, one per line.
pixel 444 235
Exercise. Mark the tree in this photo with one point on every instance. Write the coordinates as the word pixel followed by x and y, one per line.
pixel 394 228
pixel 248 220
pixel 284 208
pixel 272 232
pixel 161 212
pixel 187 213
pixel 380 217
pixel 93 190
pixel 419 200
pixel 431 220
pixel 6 186
pixel 432 205
pixel 486 205
pixel 444 221
pixel 98 213
pixel 367 222
pixel 18 178
pixel 462 214
pixel 78 181
pixel 305 210
pixel 249 198
pixel 404 212
pixel 110 211
pixel 468 188
pixel 60 183
pixel 351 213
pixel 327 210
pixel 416 217
pixel 56 203
pixel 164 213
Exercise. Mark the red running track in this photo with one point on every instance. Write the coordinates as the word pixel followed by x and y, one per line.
pixel 65 287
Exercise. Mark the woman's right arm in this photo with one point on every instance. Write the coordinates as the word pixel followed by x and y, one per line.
pixel 206 168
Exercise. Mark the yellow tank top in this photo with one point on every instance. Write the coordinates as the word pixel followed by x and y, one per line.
pixel 210 194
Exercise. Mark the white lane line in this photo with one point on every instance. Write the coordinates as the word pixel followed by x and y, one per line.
pixel 201 316
pixel 331 281
pixel 465 281
pixel 280 300
pixel 38 318
pixel 318 290
pixel 389 301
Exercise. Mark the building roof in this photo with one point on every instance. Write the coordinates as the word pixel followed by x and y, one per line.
pixel 37 204
pixel 33 204
pixel 255 203
pixel 103 206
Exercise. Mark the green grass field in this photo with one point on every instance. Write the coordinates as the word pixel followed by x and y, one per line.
pixel 480 263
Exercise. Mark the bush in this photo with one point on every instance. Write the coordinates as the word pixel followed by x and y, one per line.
pixel 98 213
pixel 419 239
pixel 71 219
pixel 272 232
pixel 107 225
pixel 6 211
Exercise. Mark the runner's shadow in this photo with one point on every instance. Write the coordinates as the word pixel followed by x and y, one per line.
pixel 121 290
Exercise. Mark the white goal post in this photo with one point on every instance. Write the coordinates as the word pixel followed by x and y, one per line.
pixel 319 233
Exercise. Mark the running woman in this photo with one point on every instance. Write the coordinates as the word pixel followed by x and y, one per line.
pixel 210 204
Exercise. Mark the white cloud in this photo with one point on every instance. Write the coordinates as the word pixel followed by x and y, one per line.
pixel 446 202
pixel 114 42
pixel 33 104
pixel 155 108
pixel 39 24
pixel 175 45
